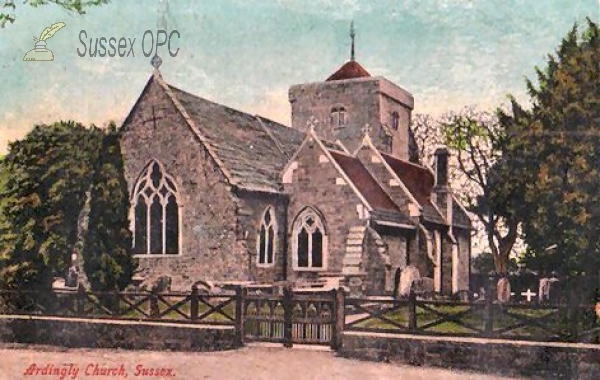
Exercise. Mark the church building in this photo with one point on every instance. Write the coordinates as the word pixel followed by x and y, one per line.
pixel 339 197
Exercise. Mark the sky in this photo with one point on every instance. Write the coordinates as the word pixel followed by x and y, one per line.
pixel 247 53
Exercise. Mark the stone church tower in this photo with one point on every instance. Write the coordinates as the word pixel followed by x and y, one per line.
pixel 350 99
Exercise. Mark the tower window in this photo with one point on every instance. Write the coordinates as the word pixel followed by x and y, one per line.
pixel 395 120
pixel 339 117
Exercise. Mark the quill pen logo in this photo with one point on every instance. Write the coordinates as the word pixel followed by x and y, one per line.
pixel 40 52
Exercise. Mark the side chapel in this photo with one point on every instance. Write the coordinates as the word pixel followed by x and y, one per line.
pixel 221 195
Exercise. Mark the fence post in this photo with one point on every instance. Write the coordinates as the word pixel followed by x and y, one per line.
pixel 488 312
pixel 80 300
pixel 154 311
pixel 412 310
pixel 288 310
pixel 338 317
pixel 240 293
pixel 194 304
pixel 573 315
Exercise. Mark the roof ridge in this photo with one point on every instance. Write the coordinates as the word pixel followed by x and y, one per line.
pixel 264 127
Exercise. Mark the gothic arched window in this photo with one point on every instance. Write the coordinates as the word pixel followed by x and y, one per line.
pixel 338 117
pixel 156 214
pixel 309 241
pixel 267 234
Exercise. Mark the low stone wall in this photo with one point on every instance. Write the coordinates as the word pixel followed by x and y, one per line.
pixel 513 358
pixel 99 333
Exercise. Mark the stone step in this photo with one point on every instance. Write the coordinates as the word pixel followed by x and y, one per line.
pixel 351 261
pixel 360 229
pixel 354 241
pixel 353 249
pixel 351 270
pixel 355 235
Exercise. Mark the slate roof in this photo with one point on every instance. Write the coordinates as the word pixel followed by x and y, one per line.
pixel 349 70
pixel 364 182
pixel 419 181
pixel 253 149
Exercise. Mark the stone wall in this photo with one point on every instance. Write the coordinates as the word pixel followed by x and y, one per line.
pixel 369 100
pixel 209 248
pixel 512 358
pixel 314 185
pixel 250 215
pixel 134 335
pixel 462 265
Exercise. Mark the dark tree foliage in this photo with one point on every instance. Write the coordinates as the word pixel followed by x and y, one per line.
pixel 48 173
pixel 107 257
pixel 553 158
pixel 8 7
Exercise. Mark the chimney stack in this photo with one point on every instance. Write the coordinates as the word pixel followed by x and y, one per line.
pixel 441 167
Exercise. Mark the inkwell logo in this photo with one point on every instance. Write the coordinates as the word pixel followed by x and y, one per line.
pixel 40 52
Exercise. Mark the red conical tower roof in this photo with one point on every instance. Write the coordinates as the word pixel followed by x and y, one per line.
pixel 349 70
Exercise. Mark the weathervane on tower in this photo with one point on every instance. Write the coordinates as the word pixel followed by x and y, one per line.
pixel 352 35
pixel 161 24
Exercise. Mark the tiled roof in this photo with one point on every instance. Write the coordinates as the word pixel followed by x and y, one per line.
pixel 349 70
pixel 253 149
pixel 364 182
pixel 419 181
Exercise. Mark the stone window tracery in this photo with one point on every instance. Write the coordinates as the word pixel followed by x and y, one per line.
pixel 309 241
pixel 267 241
pixel 156 214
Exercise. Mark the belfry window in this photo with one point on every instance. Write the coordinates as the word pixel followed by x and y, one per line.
pixel 267 238
pixel 395 120
pixel 338 117
pixel 309 241
pixel 156 213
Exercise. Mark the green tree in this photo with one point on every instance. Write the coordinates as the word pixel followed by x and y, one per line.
pixel 477 142
pixel 9 7
pixel 108 262
pixel 553 155
pixel 48 174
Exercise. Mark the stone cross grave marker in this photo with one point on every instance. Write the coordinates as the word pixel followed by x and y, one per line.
pixel 528 294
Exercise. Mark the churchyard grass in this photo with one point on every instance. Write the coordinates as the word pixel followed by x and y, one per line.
pixel 517 321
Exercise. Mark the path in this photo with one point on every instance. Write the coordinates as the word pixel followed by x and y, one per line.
pixel 247 363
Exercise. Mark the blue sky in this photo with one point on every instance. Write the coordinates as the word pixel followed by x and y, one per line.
pixel 246 53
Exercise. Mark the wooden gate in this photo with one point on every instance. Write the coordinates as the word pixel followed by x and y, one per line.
pixel 303 317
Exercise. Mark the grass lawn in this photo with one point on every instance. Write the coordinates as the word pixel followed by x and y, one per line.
pixel 474 317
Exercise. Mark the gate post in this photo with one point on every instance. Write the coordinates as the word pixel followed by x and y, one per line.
pixel 80 300
pixel 288 306
pixel 194 304
pixel 488 312
pixel 412 310
pixel 338 317
pixel 154 310
pixel 240 293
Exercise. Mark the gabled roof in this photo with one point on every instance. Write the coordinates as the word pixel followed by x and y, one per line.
pixel 253 149
pixel 419 181
pixel 459 216
pixel 364 182
pixel 349 70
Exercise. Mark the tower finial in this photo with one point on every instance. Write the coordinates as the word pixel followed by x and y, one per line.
pixel 352 35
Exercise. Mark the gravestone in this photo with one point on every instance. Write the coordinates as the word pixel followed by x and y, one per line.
pixel 503 290
pixel 409 275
